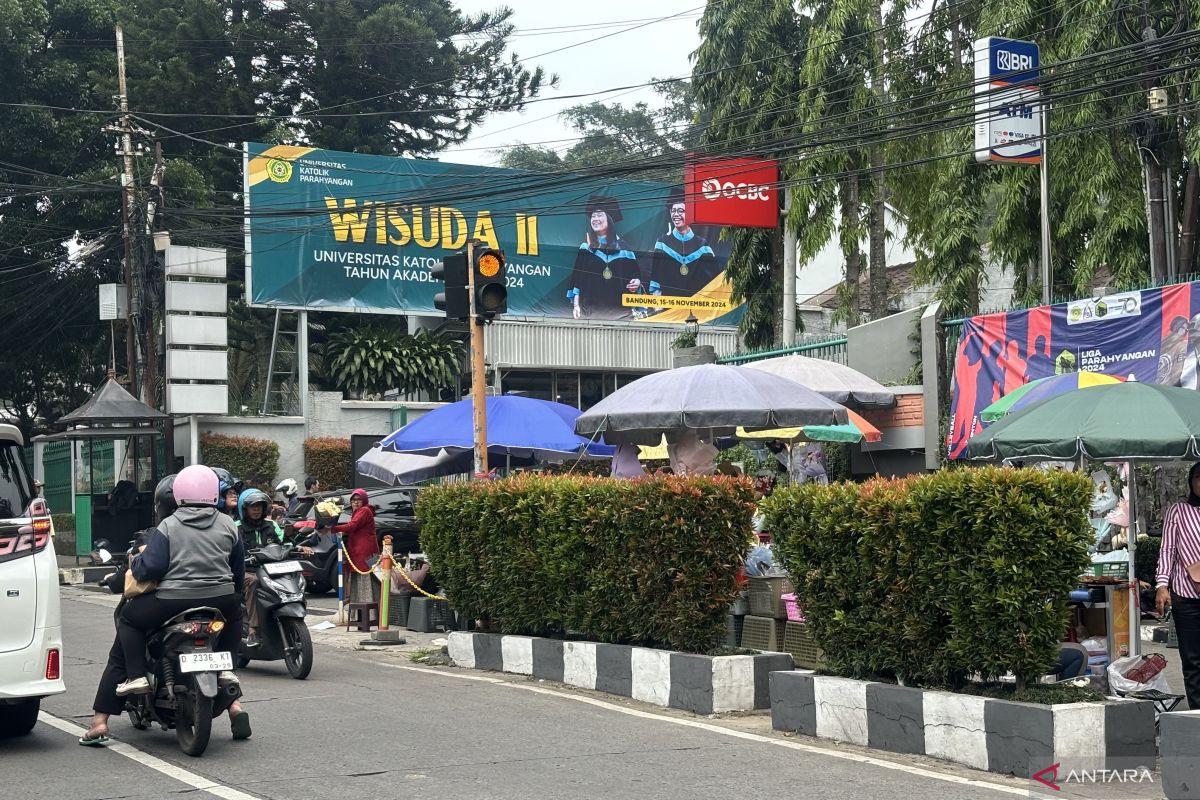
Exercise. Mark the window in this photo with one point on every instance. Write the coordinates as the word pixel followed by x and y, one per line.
pixel 538 385
pixel 15 487
pixel 591 389
pixel 566 388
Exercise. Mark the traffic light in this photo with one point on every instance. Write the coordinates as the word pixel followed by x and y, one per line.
pixel 453 272
pixel 491 290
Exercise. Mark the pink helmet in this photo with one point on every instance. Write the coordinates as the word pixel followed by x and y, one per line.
pixel 196 485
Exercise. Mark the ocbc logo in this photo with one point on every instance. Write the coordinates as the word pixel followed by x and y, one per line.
pixel 713 189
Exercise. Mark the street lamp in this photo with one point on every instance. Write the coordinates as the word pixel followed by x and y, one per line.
pixel 692 326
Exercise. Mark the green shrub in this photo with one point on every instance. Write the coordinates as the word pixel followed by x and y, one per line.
pixel 63 522
pixel 649 562
pixel 328 459
pixel 1146 558
pixel 245 457
pixel 930 580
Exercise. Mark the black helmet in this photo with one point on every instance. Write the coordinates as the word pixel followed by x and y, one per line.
pixel 226 482
pixel 164 498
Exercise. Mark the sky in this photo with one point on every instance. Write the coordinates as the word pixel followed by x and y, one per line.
pixel 637 48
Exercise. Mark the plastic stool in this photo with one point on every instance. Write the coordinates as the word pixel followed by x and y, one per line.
pixel 362 615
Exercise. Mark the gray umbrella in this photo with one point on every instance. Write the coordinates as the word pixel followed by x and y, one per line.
pixel 838 382
pixel 715 398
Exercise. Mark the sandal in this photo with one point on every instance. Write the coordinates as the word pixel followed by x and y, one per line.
pixel 240 725
pixel 94 739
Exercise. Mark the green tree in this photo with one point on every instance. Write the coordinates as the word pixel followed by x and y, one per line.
pixel 650 142
pixel 381 76
pixel 746 80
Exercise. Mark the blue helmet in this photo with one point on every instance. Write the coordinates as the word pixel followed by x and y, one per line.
pixel 252 497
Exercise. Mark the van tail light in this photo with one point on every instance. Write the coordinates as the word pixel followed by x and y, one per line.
pixel 41 525
pixel 38 508
pixel 53 665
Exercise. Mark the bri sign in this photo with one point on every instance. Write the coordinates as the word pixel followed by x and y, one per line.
pixel 1008 102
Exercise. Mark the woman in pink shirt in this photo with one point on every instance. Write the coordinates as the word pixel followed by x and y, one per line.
pixel 1181 547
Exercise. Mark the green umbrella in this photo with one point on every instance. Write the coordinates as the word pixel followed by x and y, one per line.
pixel 1042 388
pixel 1127 421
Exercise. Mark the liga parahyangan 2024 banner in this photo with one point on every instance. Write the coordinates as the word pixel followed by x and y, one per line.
pixel 345 231
pixel 1152 335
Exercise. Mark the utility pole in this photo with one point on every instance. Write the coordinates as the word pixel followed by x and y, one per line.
pixel 155 280
pixel 1149 22
pixel 478 370
pixel 125 146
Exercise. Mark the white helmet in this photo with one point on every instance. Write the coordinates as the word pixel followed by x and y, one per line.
pixel 287 486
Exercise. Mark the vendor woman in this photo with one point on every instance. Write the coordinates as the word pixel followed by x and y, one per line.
pixel 1178 560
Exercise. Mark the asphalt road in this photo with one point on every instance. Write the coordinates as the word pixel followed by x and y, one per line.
pixel 368 726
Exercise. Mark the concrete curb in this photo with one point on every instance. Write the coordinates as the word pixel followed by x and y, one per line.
pixel 1180 732
pixel 701 684
pixel 994 735
pixel 73 576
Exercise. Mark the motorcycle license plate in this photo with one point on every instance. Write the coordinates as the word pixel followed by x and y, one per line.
pixel 206 662
pixel 282 567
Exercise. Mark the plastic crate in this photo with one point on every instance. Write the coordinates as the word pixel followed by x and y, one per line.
pixel 766 596
pixel 762 633
pixel 798 640
pixel 398 610
pixel 1111 569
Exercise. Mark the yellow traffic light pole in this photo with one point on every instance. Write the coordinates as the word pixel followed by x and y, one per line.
pixel 478 371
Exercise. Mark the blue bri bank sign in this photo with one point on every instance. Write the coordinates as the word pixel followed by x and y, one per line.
pixel 1008 101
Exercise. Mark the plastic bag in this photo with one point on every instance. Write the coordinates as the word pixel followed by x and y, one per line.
pixel 1095 646
pixel 1104 499
pixel 1122 685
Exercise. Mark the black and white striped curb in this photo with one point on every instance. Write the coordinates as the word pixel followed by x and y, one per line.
pixel 1180 732
pixel 995 735
pixel 702 684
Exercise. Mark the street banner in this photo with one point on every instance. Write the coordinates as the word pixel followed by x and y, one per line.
pixel 336 231
pixel 1008 102
pixel 1152 335
pixel 739 192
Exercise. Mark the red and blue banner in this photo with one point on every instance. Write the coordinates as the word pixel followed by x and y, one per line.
pixel 1152 335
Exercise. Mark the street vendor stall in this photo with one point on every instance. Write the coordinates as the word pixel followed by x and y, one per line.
pixel 1130 421
pixel 122 449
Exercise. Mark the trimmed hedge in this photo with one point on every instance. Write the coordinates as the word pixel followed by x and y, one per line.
pixel 934 579
pixel 63 522
pixel 328 459
pixel 649 562
pixel 245 457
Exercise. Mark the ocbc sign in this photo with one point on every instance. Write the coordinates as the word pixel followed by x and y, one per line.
pixel 737 191
pixel 714 189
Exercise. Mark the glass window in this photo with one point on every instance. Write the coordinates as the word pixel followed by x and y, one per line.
pixel 591 389
pixel 538 385
pixel 566 388
pixel 15 487
pixel 626 378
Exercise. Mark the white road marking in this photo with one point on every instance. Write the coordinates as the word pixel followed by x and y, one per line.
pixel 153 762
pixel 754 737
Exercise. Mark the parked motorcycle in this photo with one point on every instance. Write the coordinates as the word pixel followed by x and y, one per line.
pixel 321 566
pixel 283 633
pixel 184 692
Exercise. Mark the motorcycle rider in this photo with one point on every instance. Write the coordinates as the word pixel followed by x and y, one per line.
pixel 230 490
pixel 290 491
pixel 257 529
pixel 197 559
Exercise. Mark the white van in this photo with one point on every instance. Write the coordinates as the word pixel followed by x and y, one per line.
pixel 30 618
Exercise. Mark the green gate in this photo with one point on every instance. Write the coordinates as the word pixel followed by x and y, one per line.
pixel 56 468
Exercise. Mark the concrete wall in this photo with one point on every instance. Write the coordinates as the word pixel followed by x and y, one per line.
pixel 883 348
pixel 329 415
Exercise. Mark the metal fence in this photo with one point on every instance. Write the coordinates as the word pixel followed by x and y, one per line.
pixel 827 349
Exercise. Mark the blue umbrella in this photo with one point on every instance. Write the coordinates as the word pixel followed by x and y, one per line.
pixel 516 426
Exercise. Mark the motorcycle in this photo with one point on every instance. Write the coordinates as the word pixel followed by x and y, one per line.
pixel 282 632
pixel 184 693
pixel 321 567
